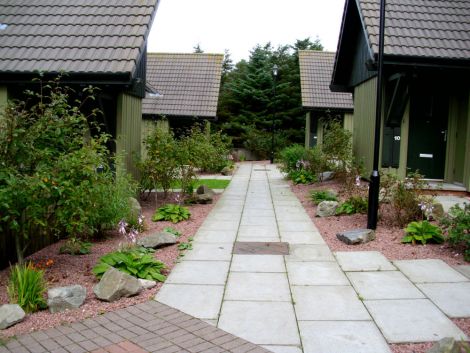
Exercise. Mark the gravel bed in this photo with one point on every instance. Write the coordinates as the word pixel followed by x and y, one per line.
pixel 68 270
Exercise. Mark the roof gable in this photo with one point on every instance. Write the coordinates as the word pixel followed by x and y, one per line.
pixel 188 84
pixel 316 68
pixel 75 36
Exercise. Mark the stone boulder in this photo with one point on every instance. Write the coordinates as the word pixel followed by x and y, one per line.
pixel 356 236
pixel 227 171
pixel 437 210
pixel 63 298
pixel 204 189
pixel 146 283
pixel 10 314
pixel 445 345
pixel 326 208
pixel 157 240
pixel 204 195
pixel 116 284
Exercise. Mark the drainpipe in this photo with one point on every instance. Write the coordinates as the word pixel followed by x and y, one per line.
pixel 374 185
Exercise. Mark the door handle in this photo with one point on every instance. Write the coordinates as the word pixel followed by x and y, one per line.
pixel 445 134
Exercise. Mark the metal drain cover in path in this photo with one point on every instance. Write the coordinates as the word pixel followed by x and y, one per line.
pixel 261 170
pixel 260 248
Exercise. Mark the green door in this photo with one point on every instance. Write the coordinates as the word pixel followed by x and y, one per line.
pixel 427 139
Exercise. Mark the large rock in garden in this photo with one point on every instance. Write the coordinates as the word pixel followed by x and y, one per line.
pixel 356 236
pixel 326 208
pixel 116 284
pixel 135 208
pixel 227 171
pixel 204 189
pixel 10 314
pixel 204 195
pixel 63 298
pixel 146 283
pixel 157 240
pixel 445 345
pixel 437 210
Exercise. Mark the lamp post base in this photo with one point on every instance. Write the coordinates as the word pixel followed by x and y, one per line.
pixel 373 207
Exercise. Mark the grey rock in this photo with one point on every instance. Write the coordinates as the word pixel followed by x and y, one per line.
pixel 63 298
pixel 135 208
pixel 325 176
pixel 438 210
pixel 326 208
pixel 116 284
pixel 203 198
pixel 227 171
pixel 146 283
pixel 157 240
pixel 445 345
pixel 10 314
pixel 356 236
pixel 204 189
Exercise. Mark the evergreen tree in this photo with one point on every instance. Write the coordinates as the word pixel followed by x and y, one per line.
pixel 197 49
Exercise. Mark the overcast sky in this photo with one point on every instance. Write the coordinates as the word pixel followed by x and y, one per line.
pixel 238 25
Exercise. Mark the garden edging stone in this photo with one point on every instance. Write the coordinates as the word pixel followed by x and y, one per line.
pixel 10 314
pixel 63 298
pixel 116 284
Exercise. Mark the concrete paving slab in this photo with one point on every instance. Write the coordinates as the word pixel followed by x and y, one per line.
pixel 342 337
pixel 320 303
pixel 199 272
pixel 463 269
pixel 302 237
pixel 215 224
pixel 271 323
pixel 290 203
pixel 412 320
pixel 215 236
pixel 429 271
pixel 283 349
pixel 315 273
pixel 201 301
pixel 259 213
pixel 383 285
pixel 293 217
pixel 288 209
pixel 209 252
pixel 224 216
pixel 452 298
pixel 309 253
pixel 256 231
pixel 363 261
pixel 297 226
pixel 258 263
pixel 257 221
pixel 448 201
pixel 255 238
pixel 257 286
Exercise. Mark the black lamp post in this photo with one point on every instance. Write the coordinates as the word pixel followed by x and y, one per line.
pixel 275 71
pixel 374 185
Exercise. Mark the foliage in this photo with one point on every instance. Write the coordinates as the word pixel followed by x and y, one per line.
pixel 318 196
pixel 54 173
pixel 185 246
pixel 316 161
pixel 290 157
pixel 134 261
pixel 302 176
pixel 260 142
pixel 247 97
pixel 354 204
pixel 75 246
pixel 457 225
pixel 423 232
pixel 213 183
pixel 26 287
pixel 173 231
pixel 171 212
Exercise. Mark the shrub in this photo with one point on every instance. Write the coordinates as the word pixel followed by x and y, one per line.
pixel 337 146
pixel 26 287
pixel 136 262
pixel 318 196
pixel 290 157
pixel 316 161
pixel 423 232
pixel 302 176
pixel 354 204
pixel 457 225
pixel 75 246
pixel 260 142
pixel 171 212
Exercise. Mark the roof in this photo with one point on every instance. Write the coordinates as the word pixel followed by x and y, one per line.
pixel 75 36
pixel 187 84
pixel 420 28
pixel 316 68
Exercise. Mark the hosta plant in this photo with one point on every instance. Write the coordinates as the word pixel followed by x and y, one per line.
pixel 136 262
pixel 171 212
pixel 423 232
pixel 354 204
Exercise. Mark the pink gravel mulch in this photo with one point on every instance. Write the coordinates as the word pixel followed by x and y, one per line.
pixel 68 270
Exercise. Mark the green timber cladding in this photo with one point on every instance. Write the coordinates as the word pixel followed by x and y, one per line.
pixel 425 121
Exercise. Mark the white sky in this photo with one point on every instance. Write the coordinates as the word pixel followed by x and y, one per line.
pixel 238 25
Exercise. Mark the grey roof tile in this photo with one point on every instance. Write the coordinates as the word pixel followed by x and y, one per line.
pixel 421 28
pixel 189 84
pixel 78 36
pixel 316 68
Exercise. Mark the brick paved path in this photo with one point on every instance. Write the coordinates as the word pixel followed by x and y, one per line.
pixel 147 327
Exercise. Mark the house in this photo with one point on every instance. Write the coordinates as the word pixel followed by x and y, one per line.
pixel 320 102
pixel 426 114
pixel 186 88
pixel 96 43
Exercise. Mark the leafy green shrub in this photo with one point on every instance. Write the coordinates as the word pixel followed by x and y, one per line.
pixel 423 232
pixel 260 142
pixel 290 157
pixel 337 146
pixel 26 287
pixel 354 204
pixel 133 261
pixel 171 212
pixel 457 225
pixel 302 176
pixel 75 246
pixel 318 196
pixel 316 161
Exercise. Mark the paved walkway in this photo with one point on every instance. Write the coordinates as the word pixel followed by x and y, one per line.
pixel 310 300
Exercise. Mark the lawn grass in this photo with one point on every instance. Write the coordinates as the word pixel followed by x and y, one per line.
pixel 211 183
